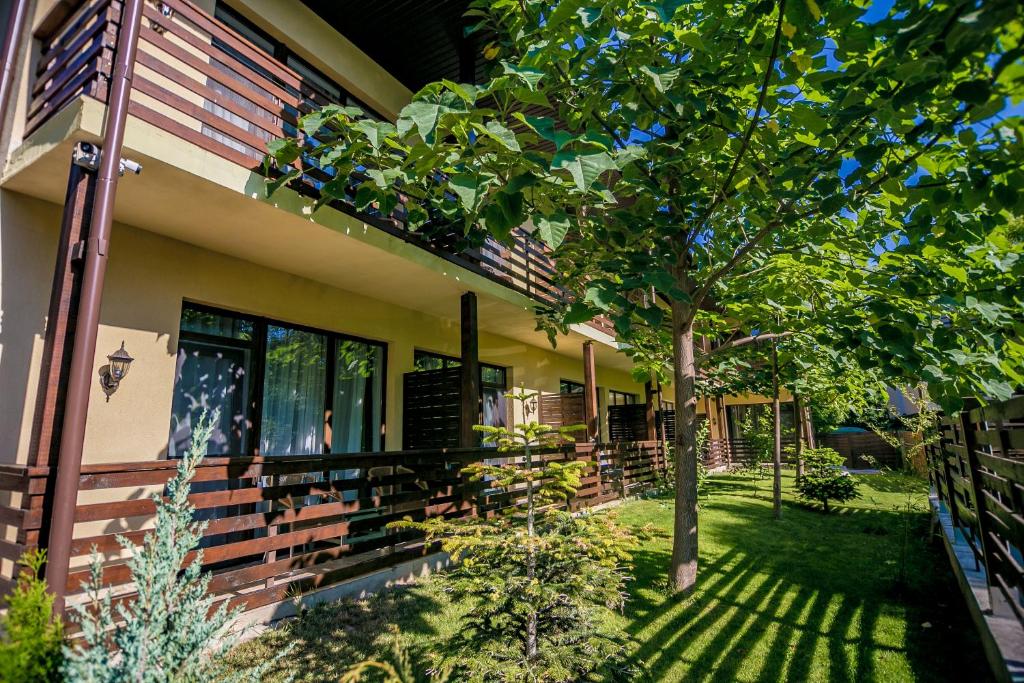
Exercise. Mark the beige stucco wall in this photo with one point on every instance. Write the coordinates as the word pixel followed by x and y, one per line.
pixel 148 277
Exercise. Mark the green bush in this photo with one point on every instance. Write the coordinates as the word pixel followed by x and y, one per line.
pixel 824 478
pixel 30 649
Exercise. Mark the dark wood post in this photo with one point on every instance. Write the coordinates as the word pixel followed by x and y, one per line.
pixel 970 444
pixel 652 427
pixel 947 475
pixel 60 318
pixel 469 413
pixel 590 391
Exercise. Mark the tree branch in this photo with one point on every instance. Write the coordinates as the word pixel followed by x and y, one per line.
pixel 720 196
pixel 746 341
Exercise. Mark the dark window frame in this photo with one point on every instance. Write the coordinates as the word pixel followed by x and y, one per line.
pixel 573 387
pixel 633 399
pixel 258 347
pixel 448 362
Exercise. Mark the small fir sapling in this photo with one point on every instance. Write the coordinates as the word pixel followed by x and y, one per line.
pixel 824 479
pixel 170 630
pixel 537 577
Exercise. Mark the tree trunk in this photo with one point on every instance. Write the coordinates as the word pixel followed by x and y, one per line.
pixel 798 417
pixel 777 445
pixel 683 570
pixel 531 562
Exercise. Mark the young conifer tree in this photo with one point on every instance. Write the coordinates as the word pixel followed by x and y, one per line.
pixel 536 577
pixel 170 630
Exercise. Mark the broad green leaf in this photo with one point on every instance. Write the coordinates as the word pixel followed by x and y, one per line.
pixel 584 168
pixel 375 131
pixel 501 134
pixel 973 92
pixel 954 271
pixel 528 74
pixel 469 188
pixel 663 78
pixel 546 128
pixel 553 228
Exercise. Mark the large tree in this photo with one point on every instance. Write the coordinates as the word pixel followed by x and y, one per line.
pixel 662 146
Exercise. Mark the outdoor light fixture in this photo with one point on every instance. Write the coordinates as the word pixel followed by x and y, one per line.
pixel 112 374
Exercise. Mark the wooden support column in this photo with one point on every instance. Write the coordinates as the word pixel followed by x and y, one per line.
pixel 469 412
pixel 61 317
pixel 590 391
pixel 58 341
pixel 650 396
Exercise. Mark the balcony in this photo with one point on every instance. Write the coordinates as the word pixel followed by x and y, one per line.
pixel 203 83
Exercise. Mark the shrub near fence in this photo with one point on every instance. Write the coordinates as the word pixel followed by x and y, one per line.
pixel 976 469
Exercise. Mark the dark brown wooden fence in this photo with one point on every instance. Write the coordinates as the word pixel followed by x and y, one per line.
pixel 854 445
pixel 295 523
pixel 563 410
pixel 431 401
pixel 627 422
pixel 976 468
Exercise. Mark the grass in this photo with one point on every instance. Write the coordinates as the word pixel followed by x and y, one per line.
pixel 812 597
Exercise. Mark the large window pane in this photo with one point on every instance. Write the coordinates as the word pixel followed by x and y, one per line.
pixel 293 392
pixel 210 376
pixel 358 387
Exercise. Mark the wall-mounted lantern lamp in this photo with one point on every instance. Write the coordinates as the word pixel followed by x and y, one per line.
pixel 112 374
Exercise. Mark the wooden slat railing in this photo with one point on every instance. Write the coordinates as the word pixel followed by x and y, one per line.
pixel 201 81
pixel 277 525
pixel 976 469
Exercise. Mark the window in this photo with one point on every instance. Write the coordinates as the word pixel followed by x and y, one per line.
pixel 567 386
pixel 281 389
pixel 622 398
pixel 493 384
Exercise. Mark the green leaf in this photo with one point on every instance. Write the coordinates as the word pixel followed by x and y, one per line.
pixel 375 131
pixel 503 213
pixel 527 74
pixel 600 296
pixel 425 115
pixel 503 135
pixel 469 188
pixel 973 92
pixel 955 272
pixel 546 128
pixel 279 182
pixel 691 39
pixel 466 91
pixel 663 78
pixel 813 8
pixel 553 228
pixel 284 150
pixel 579 312
pixel 584 168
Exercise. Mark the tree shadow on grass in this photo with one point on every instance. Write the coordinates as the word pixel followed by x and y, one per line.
pixel 808 597
pixel 893 482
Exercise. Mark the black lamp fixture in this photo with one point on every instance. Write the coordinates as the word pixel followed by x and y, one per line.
pixel 112 374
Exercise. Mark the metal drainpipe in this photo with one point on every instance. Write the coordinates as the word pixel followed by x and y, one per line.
pixel 15 26
pixel 80 377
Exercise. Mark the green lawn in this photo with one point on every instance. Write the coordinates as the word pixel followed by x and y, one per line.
pixel 812 597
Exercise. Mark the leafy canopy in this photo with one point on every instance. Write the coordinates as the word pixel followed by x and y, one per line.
pixel 661 146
